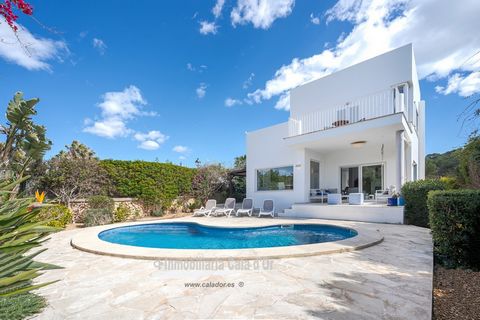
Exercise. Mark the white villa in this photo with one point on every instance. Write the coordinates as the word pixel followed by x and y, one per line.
pixel 360 130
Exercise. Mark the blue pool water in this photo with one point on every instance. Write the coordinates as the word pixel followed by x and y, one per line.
pixel 185 235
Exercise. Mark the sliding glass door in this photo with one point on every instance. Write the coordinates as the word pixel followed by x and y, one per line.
pixel 372 179
pixel 349 179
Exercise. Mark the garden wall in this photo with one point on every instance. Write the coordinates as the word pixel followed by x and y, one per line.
pixel 79 207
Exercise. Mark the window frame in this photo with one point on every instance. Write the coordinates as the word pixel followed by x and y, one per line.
pixel 272 168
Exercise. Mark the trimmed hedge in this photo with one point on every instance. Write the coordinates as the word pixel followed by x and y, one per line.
pixel 156 184
pixel 415 194
pixel 455 223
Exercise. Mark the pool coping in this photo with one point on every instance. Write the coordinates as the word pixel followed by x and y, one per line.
pixel 88 240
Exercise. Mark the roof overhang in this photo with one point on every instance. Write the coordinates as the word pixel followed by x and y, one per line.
pixel 375 131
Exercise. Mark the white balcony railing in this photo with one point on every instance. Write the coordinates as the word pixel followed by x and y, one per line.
pixel 368 107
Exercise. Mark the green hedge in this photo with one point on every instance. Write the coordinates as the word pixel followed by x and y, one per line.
pixel 455 223
pixel 157 184
pixel 415 194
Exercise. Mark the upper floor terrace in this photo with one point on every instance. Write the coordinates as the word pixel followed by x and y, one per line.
pixel 393 100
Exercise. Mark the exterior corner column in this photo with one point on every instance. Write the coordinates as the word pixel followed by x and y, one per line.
pixel 400 174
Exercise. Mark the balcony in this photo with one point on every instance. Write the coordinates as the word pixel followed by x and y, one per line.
pixel 379 104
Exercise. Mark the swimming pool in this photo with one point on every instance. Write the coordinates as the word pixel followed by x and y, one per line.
pixel 190 235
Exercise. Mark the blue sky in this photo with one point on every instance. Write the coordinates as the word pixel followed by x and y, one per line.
pixel 177 80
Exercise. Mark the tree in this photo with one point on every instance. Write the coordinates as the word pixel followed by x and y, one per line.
pixel 25 142
pixel 239 183
pixel 208 180
pixel 469 168
pixel 73 173
pixel 7 10
pixel 240 162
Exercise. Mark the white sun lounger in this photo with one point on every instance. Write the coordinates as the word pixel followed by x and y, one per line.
pixel 247 207
pixel 268 209
pixel 207 210
pixel 228 208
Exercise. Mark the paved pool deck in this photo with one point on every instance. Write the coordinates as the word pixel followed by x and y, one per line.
pixel 389 280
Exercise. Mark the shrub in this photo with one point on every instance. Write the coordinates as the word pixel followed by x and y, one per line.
pixel 97 217
pixel 151 182
pixel 21 306
pixel 122 213
pixel 455 222
pixel 415 194
pixel 450 183
pixel 20 231
pixel 101 202
pixel 469 167
pixel 158 213
pixel 208 181
pixel 57 215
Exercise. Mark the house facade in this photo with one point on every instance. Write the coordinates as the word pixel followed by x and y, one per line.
pixel 358 130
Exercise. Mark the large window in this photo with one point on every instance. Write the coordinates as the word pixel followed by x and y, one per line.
pixel 372 179
pixel 275 179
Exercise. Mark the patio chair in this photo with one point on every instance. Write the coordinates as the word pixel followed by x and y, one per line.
pixel 268 209
pixel 247 207
pixel 207 210
pixel 383 195
pixel 228 208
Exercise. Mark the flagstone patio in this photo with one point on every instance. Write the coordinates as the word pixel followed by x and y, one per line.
pixel 390 280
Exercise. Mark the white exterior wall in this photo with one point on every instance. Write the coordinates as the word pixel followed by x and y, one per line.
pixel 357 81
pixel 266 149
pixel 354 157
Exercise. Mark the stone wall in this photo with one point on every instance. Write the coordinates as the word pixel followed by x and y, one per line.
pixel 79 207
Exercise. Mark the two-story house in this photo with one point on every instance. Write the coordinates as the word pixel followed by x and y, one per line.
pixel 361 129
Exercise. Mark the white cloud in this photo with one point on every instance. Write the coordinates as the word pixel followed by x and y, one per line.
pixel 217 9
pixel 200 69
pixel 180 149
pixel 249 81
pixel 465 86
pixel 208 27
pixel 261 13
pixel 117 108
pixel 31 52
pixel 182 157
pixel 201 90
pixel 283 102
pixel 229 102
pixel 100 45
pixel 314 19
pixel 149 145
pixel 382 25
pixel 151 140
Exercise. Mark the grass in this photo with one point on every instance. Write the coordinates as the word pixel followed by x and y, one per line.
pixel 21 306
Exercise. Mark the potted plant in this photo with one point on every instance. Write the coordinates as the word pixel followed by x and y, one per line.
pixel 400 200
pixel 393 200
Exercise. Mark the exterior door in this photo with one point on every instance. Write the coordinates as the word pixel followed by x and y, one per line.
pixel 372 179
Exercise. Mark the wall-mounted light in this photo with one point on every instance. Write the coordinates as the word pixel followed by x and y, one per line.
pixel 358 144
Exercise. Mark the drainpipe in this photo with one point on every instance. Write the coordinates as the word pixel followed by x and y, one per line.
pixel 400 160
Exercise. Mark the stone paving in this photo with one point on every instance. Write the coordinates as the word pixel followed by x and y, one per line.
pixel 391 280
